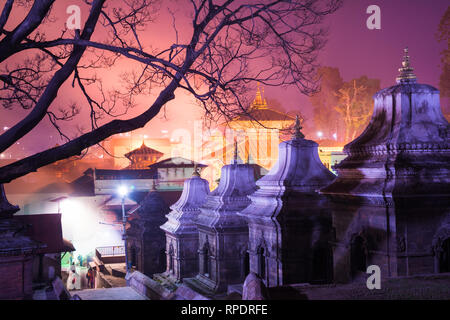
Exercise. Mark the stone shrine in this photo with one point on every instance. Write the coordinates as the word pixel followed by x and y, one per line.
pixel 181 232
pixel 146 241
pixel 289 222
pixel 223 235
pixel 392 195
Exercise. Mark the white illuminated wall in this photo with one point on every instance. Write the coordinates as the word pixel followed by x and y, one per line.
pixel 82 219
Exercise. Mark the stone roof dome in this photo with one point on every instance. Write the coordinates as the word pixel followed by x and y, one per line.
pixel 186 209
pixel 404 149
pixel 406 116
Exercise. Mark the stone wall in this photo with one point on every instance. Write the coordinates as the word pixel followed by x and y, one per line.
pixel 16 274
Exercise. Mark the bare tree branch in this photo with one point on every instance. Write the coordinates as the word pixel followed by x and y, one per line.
pixel 233 44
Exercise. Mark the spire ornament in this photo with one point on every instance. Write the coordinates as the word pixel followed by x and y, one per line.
pixel 196 172
pixel 406 71
pixel 297 130
pixel 235 156
pixel 259 102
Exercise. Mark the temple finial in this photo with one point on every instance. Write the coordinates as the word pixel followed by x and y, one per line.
pixel 235 156
pixel 259 102
pixel 196 172
pixel 406 71
pixel 297 130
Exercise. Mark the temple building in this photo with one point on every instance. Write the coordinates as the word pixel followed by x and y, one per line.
pixel 223 235
pixel 289 222
pixel 258 132
pixel 260 128
pixel 181 232
pixel 123 143
pixel 142 157
pixel 391 200
pixel 146 241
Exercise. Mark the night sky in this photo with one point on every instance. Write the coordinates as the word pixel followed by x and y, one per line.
pixel 351 47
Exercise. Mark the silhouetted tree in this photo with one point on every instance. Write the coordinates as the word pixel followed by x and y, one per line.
pixel 217 64
pixel 355 104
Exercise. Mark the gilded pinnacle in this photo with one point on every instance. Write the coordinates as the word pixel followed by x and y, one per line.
pixel 259 102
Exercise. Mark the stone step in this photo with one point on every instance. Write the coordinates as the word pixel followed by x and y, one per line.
pixel 120 273
pixel 199 287
pixel 166 281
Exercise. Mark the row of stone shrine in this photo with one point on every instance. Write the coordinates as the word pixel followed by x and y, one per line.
pixel 388 206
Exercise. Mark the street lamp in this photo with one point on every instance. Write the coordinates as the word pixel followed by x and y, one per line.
pixel 320 134
pixel 123 192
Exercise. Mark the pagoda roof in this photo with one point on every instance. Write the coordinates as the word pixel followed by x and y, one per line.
pixel 143 149
pixel 260 111
pixel 259 114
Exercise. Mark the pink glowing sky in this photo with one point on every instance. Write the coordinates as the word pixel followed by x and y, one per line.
pixel 351 47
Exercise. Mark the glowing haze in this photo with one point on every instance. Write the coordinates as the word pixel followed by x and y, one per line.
pixel 353 48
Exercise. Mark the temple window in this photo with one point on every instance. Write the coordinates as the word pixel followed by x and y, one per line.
pixel 261 262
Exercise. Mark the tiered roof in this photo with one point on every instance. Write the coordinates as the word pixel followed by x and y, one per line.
pixel 143 150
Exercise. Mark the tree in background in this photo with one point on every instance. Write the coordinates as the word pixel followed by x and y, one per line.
pixel 355 104
pixel 443 35
pixel 326 118
pixel 342 107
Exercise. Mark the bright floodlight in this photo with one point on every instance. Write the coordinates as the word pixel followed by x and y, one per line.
pixel 122 190
pixel 335 136
pixel 319 134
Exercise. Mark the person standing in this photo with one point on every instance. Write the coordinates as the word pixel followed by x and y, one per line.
pixel 90 278
pixel 94 276
pixel 72 280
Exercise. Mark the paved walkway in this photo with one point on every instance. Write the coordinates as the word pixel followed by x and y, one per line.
pixel 412 288
pixel 122 293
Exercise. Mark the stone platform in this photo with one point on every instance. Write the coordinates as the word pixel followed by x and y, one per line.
pixel 123 293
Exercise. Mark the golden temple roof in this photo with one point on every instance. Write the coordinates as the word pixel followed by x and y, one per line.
pixel 259 102
pixel 143 149
pixel 261 111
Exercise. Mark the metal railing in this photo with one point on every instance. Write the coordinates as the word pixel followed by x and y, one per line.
pixel 110 251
